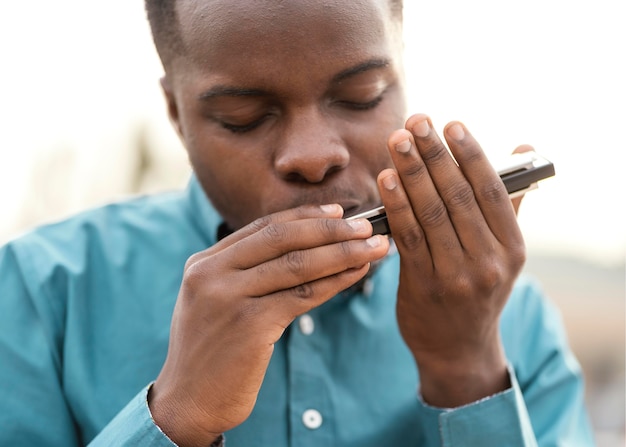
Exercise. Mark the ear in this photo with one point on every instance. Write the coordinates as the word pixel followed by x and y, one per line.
pixel 172 106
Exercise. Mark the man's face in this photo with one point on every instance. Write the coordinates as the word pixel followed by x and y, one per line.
pixel 281 104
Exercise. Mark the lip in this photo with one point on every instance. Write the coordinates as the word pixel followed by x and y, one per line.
pixel 350 202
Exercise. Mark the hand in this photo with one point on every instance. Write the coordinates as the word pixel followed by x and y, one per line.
pixel 460 253
pixel 235 302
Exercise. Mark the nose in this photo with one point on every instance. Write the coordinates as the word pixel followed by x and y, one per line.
pixel 311 148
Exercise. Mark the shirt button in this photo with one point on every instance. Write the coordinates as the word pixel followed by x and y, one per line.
pixel 307 326
pixel 368 287
pixel 312 419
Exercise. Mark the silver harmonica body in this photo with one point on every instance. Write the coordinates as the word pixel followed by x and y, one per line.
pixel 520 174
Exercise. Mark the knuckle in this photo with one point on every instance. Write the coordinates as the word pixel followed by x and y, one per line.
pixel 262 270
pixel 260 223
pixel 399 207
pixel 473 155
pixel 433 214
pixel 493 192
pixel 195 272
pixel 329 226
pixel 490 277
pixel 414 172
pixel 304 291
pixel 410 237
pixel 435 154
pixel 274 233
pixel 346 249
pixel 200 281
pixel 192 260
pixel 294 263
pixel 461 196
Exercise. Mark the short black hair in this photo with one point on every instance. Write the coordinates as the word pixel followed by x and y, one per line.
pixel 163 21
pixel 166 30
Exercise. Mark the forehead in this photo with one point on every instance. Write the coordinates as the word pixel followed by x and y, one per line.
pixel 247 34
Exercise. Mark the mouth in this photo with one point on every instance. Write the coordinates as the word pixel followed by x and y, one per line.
pixel 353 203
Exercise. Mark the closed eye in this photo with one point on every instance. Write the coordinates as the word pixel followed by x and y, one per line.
pixel 243 128
pixel 353 105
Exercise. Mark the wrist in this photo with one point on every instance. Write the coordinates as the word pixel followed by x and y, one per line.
pixel 178 425
pixel 461 380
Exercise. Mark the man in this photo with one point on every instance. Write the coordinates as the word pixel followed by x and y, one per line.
pixel 246 308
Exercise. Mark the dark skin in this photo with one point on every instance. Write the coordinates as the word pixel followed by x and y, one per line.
pixel 289 131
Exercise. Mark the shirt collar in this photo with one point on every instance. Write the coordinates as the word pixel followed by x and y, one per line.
pixel 204 215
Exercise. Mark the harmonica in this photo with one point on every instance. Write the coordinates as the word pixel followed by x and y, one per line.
pixel 520 174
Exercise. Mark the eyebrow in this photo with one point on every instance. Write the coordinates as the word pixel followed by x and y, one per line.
pixel 222 90
pixel 361 68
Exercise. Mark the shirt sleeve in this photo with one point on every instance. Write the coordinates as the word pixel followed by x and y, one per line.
pixel 498 420
pixel 33 406
pixel 33 409
pixel 544 405
pixel 134 426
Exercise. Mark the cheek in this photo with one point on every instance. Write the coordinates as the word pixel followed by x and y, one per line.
pixel 370 139
pixel 233 179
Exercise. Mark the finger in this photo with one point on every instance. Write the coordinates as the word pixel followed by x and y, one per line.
pixel 291 303
pixel 416 152
pixel 331 211
pixel 406 230
pixel 426 203
pixel 488 188
pixel 301 212
pixel 282 238
pixel 295 268
pixel 452 185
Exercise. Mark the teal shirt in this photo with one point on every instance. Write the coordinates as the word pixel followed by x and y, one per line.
pixel 85 311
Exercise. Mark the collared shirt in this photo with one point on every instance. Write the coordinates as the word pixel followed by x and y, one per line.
pixel 85 311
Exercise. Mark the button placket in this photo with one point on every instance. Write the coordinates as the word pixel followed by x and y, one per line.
pixel 310 403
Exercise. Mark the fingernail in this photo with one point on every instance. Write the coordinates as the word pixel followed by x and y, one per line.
pixel 373 241
pixel 390 182
pixel 330 209
pixel 403 147
pixel 421 128
pixel 456 132
pixel 356 224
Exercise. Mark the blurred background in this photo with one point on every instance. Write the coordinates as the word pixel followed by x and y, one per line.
pixel 83 122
